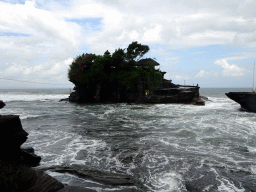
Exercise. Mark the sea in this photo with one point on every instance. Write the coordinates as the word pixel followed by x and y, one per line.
pixel 166 147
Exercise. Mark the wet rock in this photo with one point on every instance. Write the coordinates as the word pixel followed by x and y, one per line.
pixel 19 177
pixel 29 157
pixel 110 179
pixel 2 104
pixel 12 137
pixel 174 95
pixel 198 101
pixel 75 189
pixel 67 99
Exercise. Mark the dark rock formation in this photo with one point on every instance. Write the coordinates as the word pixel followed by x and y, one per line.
pixel 245 99
pixel 12 137
pixel 15 171
pixel 166 93
pixel 66 99
pixel 29 158
pixel 2 104
pixel 109 179
pixel 188 94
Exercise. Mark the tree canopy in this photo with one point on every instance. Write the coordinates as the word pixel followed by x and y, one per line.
pixel 120 67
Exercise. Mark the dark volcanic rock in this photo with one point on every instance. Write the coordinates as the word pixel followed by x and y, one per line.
pixel 29 158
pixel 2 104
pixel 19 177
pixel 67 99
pixel 174 95
pixel 165 92
pixel 12 137
pixel 75 189
pixel 100 177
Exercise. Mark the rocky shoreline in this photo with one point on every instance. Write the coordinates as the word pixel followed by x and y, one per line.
pixel 18 170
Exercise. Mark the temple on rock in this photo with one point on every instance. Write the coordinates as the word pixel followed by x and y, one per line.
pixel 125 77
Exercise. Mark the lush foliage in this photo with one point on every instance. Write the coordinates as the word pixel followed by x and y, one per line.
pixel 120 67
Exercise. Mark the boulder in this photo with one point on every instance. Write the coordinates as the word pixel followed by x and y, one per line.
pixel 2 104
pixel 12 137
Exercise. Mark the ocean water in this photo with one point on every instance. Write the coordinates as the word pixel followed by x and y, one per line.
pixel 164 146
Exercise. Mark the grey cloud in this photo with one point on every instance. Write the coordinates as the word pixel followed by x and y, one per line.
pixel 212 21
pixel 52 40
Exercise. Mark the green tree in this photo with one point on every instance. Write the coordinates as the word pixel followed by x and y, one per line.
pixel 79 71
pixel 119 68
pixel 118 58
pixel 136 51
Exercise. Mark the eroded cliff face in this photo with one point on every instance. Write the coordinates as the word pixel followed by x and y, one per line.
pixel 88 93
pixel 165 93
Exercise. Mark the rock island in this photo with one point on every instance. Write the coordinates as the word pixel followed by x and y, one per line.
pixel 125 76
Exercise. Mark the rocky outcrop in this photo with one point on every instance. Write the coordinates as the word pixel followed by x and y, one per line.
pixel 109 179
pixel 185 95
pixel 172 94
pixel 2 104
pixel 16 173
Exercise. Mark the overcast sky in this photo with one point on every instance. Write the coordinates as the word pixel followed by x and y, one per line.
pixel 210 43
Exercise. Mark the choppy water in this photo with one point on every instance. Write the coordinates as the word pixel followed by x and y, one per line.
pixel 162 145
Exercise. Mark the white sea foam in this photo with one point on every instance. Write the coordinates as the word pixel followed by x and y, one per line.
pixel 165 182
pixel 253 169
pixel 228 186
pixel 64 148
pixel 32 97
pixel 22 114
pixel 29 116
pixel 251 149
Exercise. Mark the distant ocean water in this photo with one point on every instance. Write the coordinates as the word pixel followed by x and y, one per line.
pixel 161 145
